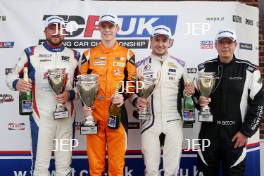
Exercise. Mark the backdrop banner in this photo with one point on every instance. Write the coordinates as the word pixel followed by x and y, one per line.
pixel 193 24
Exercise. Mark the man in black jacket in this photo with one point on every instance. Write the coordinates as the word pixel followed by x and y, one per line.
pixel 236 104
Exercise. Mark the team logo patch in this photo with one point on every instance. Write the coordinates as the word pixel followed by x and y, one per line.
pixel 172 70
pixel 99 63
pixel 147 67
pixel 171 64
pixel 235 78
pixel 65 58
pixel 119 58
pixel 172 78
pixel 44 60
pixel 148 73
pixel 45 55
pixel 119 64
pixel 100 58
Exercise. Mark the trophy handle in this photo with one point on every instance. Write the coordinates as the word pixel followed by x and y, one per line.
pixel 65 82
pixel 196 83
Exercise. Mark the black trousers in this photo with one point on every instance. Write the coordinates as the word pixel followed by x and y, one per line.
pixel 221 152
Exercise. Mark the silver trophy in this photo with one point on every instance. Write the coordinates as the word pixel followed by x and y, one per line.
pixel 205 84
pixel 87 86
pixel 149 84
pixel 57 80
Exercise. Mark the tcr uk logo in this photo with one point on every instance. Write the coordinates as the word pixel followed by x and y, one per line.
pixel 139 26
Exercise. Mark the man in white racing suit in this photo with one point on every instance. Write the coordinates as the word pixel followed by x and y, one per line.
pixel 165 105
pixel 45 130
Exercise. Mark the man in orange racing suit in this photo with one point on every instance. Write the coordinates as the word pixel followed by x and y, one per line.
pixel 114 64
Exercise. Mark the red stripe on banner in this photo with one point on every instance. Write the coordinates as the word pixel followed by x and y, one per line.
pixel 34 100
pixel 253 144
pixel 16 152
pixel 79 152
pixel 133 152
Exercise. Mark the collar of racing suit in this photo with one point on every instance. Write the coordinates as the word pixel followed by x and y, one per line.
pixel 160 58
pixel 53 49
pixel 226 64
pixel 108 50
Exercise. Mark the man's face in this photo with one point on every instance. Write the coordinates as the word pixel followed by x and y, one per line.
pixel 160 44
pixel 54 34
pixel 225 48
pixel 108 31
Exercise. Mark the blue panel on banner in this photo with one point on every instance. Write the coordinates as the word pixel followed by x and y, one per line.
pixel 134 166
pixel 141 26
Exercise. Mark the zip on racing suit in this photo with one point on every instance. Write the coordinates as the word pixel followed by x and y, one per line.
pixel 113 65
pixel 44 129
pixel 165 118
pixel 236 105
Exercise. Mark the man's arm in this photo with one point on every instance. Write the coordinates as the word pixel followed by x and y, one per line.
pixel 84 66
pixel 255 106
pixel 130 76
pixel 17 73
pixel 73 91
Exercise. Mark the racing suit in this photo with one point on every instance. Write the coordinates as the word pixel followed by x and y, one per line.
pixel 113 66
pixel 44 129
pixel 236 105
pixel 165 110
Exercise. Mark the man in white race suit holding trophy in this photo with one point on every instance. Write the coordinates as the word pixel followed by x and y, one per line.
pixel 51 69
pixel 163 117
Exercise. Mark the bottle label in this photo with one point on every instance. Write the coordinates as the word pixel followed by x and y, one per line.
pixel 187 124
pixel 112 121
pixel 188 115
pixel 26 106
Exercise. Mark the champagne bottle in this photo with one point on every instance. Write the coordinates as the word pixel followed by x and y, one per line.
pixel 25 98
pixel 114 113
pixel 188 105
pixel 188 109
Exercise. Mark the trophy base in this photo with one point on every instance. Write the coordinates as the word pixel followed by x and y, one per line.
pixel 188 116
pixel 86 130
pixel 113 122
pixel 205 117
pixel 60 115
